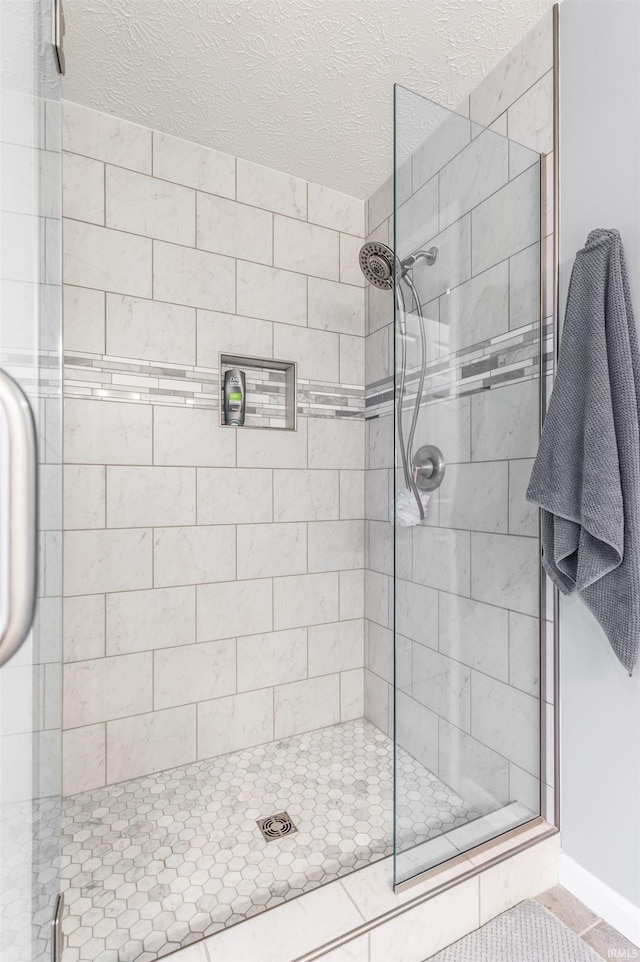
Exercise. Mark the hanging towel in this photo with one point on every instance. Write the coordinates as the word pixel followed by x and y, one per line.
pixel 586 476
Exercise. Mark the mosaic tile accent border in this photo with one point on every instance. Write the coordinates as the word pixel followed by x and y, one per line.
pixel 38 373
pixel 504 359
pixel 149 382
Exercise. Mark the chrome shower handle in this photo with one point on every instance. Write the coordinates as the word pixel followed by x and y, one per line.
pixel 18 529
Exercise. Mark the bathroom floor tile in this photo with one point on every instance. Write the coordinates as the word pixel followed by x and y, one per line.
pixel 152 864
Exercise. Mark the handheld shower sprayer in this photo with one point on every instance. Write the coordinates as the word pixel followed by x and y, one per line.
pixel 385 271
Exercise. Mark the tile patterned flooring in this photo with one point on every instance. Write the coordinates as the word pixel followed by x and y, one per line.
pixel 158 862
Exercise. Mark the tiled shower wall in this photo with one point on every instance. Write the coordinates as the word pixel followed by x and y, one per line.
pixel 213 576
pixel 466 595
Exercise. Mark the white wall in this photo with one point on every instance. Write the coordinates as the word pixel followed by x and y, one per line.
pixel 599 187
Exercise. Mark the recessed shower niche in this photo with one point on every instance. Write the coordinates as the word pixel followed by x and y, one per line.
pixel 270 391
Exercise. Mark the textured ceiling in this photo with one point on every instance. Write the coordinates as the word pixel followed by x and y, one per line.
pixel 303 86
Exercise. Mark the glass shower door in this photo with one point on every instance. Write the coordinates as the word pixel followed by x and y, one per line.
pixel 30 481
pixel 467 574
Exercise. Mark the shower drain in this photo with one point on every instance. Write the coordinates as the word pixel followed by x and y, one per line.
pixel 276 826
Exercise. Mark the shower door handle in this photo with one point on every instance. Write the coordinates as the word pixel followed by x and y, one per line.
pixel 18 518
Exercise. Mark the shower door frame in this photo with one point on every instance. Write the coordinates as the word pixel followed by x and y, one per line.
pixel 547 822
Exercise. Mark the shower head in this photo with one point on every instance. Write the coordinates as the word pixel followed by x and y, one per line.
pixel 376 263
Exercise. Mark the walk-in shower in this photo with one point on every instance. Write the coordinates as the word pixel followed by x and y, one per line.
pixel 325 620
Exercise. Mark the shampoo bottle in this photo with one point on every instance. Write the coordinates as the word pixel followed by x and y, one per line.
pixel 234 397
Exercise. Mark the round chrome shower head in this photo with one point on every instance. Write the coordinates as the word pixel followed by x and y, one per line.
pixel 376 263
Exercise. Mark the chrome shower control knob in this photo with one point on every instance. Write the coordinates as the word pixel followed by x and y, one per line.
pixel 428 467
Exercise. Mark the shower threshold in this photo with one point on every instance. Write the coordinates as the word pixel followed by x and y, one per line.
pixel 158 862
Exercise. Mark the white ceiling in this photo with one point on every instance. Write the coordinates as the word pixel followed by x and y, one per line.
pixel 303 86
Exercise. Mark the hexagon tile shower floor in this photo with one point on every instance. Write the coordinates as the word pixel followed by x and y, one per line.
pixel 157 862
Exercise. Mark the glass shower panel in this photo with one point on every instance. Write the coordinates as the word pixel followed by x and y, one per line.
pixel 30 361
pixel 467 574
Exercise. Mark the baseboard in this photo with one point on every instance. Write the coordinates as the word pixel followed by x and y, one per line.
pixel 604 901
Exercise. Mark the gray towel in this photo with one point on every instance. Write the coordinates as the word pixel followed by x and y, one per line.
pixel 586 476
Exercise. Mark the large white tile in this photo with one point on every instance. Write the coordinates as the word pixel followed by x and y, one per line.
pixel 84 319
pixel 231 333
pixel 443 685
pixel 146 205
pixel 83 627
pixel 447 425
pixel 351 594
pixel 95 691
pixel 380 650
pixel 479 170
pixel 272 294
pixel 440 146
pixel 379 442
pixel 351 694
pixel 520 877
pixel 506 720
pixel 380 204
pixel 235 608
pixel 84 496
pixel 274 449
pixel 306 248
pixel 523 517
pixel 141 497
pixel 191 436
pixel 305 600
pixel 103 137
pixel 335 210
pixel 193 165
pixel 235 496
pixel 108 260
pixel 350 272
pixel 441 559
pixel 505 422
pixel 336 545
pixel 317 352
pixel 352 495
pixel 150 743
pixel 336 647
pixel 192 277
pixel 417 219
pixel 352 359
pixel 194 673
pixel 194 555
pixel 196 952
pixel 106 432
pixel 291 930
pixel 305 705
pixel 305 495
pixel 107 560
pixel 272 189
pixel 84 760
pixel 158 618
pixel 531 116
pixel 377 699
pixel 417 612
pixel 453 264
pixel 524 287
pixel 274 658
pixel 269 550
pixel 475 634
pixel 82 188
pixel 505 571
pixel 479 774
pixel 336 443
pixel 150 330
pixel 524 653
pixel 376 597
pixel 237 230
pixel 478 309
pixel 380 547
pixel 506 222
pixel 236 722
pixel 416 730
pixel 460 506
pixel 515 73
pixel 336 307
